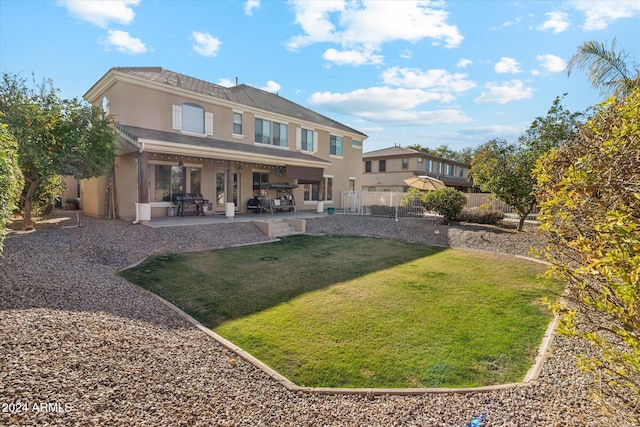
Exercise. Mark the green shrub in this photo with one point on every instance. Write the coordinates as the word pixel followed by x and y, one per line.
pixel 480 215
pixel 447 202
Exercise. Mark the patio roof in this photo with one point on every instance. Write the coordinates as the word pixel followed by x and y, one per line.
pixel 179 144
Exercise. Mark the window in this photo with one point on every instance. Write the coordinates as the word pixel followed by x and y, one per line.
pixel 356 144
pixel 449 170
pixel 335 145
pixel 237 123
pixel 439 168
pixel 310 191
pixel 419 159
pixel 326 188
pixel 306 140
pixel 268 132
pixel 192 118
pixel 461 172
pixel 352 184
pixel 170 181
pixel 259 179
pixel 429 165
pixel 367 166
pixel 405 163
pixel 382 166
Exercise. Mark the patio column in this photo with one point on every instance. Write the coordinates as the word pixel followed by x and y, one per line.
pixel 229 205
pixel 143 207
pixel 229 190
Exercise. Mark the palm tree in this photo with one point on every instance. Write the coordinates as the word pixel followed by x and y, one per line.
pixel 608 69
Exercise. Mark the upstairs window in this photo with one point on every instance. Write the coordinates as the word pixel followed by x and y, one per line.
pixel 335 145
pixel 237 123
pixel 192 118
pixel 367 166
pixel 272 133
pixel 382 166
pixel 449 170
pixel 307 140
pixel 430 166
pixel 356 144
pixel 405 163
pixel 461 172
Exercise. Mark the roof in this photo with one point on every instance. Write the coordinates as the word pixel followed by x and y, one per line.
pixel 401 151
pixel 241 94
pixel 233 150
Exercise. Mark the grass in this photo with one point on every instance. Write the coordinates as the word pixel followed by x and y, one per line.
pixel 363 312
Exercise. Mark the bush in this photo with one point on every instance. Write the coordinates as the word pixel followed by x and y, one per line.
pixel 445 201
pixel 589 192
pixel 480 216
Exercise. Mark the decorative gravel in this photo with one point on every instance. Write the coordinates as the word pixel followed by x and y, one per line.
pixel 81 346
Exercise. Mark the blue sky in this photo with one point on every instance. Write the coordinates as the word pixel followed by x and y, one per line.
pixel 403 72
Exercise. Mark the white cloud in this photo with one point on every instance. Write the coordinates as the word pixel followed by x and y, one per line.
pixel 388 105
pixel 271 86
pixel 417 118
pixel 365 26
pixel 507 65
pixel 557 22
pixel 102 12
pixel 226 83
pixel 436 79
pixel 513 90
pixel 406 54
pixel 599 14
pixel 351 57
pixel 123 42
pixel 205 44
pixel 552 63
pixel 464 63
pixel 250 5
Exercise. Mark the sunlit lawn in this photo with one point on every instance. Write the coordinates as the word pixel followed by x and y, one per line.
pixel 362 312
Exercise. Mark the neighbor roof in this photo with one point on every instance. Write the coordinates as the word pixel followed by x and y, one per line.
pixel 396 150
pixel 240 94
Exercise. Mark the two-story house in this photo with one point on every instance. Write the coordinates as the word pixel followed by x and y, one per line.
pixel 182 135
pixel 386 169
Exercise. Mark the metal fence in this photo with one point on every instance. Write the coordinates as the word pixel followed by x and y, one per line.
pixel 382 203
pixel 407 205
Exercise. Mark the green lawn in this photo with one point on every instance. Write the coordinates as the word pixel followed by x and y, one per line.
pixel 361 312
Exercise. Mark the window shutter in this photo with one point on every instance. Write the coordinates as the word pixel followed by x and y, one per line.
pixel 208 123
pixel 298 139
pixel 177 117
pixel 315 141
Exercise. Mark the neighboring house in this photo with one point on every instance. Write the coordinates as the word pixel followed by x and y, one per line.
pixel 179 134
pixel 385 169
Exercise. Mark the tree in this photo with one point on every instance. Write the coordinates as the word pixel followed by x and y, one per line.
pixel 10 178
pixel 505 170
pixel 447 202
pixel 607 69
pixel 55 136
pixel 589 191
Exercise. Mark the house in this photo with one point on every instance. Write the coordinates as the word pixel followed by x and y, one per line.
pixel 386 169
pixel 180 135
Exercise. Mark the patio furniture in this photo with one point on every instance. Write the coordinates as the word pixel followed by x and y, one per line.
pixel 194 203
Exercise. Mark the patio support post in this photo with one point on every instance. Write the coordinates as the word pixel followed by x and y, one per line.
pixel 229 205
pixel 143 177
pixel 229 190
pixel 143 207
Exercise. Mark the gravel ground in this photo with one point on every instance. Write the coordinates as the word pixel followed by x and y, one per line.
pixel 80 346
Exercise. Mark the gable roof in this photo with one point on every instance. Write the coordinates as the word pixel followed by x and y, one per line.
pixel 240 94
